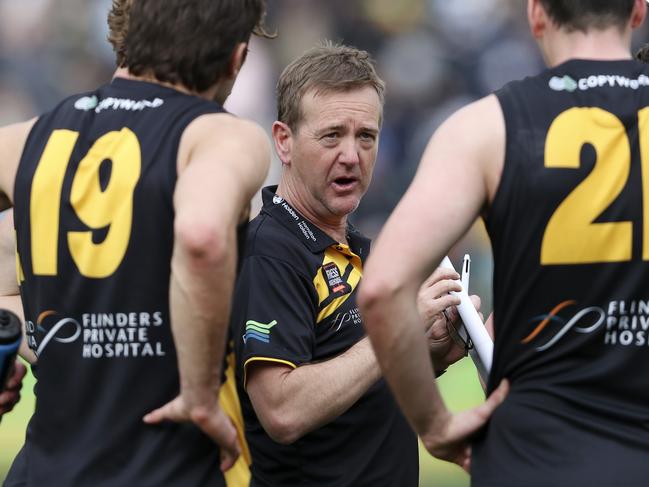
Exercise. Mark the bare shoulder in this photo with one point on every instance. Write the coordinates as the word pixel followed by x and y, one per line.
pixel 224 152
pixel 12 141
pixel 482 120
pixel 475 137
pixel 224 125
pixel 223 132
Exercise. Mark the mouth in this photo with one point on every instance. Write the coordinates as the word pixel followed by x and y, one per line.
pixel 344 184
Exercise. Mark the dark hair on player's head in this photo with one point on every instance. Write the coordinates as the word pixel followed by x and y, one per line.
pixel 188 42
pixel 117 29
pixel 582 15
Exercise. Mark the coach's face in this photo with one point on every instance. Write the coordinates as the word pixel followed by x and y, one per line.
pixel 333 150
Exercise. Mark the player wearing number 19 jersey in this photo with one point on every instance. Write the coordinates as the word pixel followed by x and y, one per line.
pixel 559 166
pixel 126 206
pixel 94 217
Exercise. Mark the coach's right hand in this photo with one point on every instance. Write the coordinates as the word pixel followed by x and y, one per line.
pixel 450 434
pixel 211 419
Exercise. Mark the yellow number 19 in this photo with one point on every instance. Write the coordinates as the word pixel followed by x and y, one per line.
pixel 97 208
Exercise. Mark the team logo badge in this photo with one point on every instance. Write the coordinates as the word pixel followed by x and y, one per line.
pixel 333 279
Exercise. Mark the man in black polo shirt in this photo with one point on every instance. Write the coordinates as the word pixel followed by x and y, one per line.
pixel 315 408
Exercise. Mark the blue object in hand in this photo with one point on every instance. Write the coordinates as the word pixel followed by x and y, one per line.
pixel 10 338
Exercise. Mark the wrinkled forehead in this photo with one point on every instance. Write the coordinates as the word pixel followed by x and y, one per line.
pixel 324 105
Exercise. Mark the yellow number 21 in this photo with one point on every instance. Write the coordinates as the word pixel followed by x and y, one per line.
pixel 110 207
pixel 570 236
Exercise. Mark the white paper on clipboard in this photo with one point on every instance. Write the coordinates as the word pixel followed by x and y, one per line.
pixel 483 346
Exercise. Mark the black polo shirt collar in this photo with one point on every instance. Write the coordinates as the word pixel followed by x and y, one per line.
pixel 313 237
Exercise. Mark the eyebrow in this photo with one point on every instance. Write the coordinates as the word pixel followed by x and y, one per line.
pixel 331 128
pixel 343 127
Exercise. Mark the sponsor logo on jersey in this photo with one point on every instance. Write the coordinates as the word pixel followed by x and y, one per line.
pixel 102 335
pixel 566 83
pixel 301 224
pixel 351 317
pixel 87 103
pixel 563 84
pixel 258 331
pixel 333 279
pixel 584 321
pixel 49 326
pixel 625 323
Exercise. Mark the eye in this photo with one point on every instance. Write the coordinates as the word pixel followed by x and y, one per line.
pixel 368 136
pixel 330 136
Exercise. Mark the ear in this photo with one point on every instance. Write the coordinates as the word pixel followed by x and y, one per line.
pixel 283 139
pixel 537 18
pixel 237 58
pixel 639 13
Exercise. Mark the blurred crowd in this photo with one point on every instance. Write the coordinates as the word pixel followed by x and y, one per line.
pixel 435 56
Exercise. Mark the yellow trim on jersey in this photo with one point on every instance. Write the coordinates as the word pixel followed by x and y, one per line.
pixel 338 257
pixel 20 275
pixel 239 474
pixel 263 359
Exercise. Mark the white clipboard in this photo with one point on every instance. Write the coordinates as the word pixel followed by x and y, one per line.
pixel 474 328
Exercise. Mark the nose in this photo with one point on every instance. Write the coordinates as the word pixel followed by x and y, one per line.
pixel 349 151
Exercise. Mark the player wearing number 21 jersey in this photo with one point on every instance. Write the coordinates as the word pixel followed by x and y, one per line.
pixel 558 164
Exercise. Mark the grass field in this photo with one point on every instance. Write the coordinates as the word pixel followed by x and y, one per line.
pixel 459 386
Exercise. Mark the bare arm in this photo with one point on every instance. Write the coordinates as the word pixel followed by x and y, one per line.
pixel 292 402
pixel 227 161
pixel 9 299
pixel 9 291
pixel 453 184
pixel 12 142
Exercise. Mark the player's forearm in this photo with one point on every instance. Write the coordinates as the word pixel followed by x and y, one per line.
pixel 201 286
pixel 393 325
pixel 313 395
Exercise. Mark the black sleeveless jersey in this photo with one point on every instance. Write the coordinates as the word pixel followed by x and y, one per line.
pixel 570 232
pixel 94 222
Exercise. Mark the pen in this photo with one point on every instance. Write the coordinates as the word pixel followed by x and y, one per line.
pixel 466 269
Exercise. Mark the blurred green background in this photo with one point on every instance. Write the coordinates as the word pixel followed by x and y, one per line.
pixel 459 386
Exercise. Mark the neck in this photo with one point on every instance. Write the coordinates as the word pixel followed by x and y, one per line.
pixel 334 226
pixel 209 94
pixel 600 45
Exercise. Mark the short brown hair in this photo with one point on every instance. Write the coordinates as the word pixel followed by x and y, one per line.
pixel 327 67
pixel 118 28
pixel 186 42
pixel 582 15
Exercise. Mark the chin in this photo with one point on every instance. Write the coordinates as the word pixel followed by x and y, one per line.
pixel 344 207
